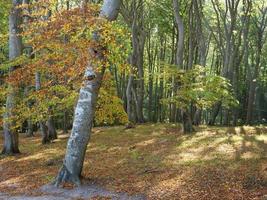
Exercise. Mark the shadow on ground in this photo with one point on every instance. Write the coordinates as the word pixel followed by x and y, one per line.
pixel 153 159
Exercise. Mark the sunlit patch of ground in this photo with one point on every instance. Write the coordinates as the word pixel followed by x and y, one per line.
pixel 155 160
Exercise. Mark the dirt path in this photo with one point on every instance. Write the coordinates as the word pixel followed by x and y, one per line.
pixel 87 191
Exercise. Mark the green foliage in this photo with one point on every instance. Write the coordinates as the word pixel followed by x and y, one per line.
pixel 4 11
pixel 200 89
pixel 20 60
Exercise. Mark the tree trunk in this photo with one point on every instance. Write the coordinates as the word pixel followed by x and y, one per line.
pixel 43 128
pixel 214 113
pixel 187 123
pixel 44 133
pixel 52 133
pixel 29 128
pixel 137 60
pixel 179 54
pixel 197 117
pixel 254 81
pixel 85 110
pixel 65 122
pixel 130 110
pixel 11 138
pixel 252 92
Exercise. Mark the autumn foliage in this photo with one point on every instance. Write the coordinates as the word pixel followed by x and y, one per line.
pixel 57 45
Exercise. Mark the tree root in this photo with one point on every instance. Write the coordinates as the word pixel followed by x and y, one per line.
pixel 10 153
pixel 130 125
pixel 64 176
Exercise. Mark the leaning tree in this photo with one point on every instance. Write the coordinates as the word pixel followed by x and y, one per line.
pixel 85 109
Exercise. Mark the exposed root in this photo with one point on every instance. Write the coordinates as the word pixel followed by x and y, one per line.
pixel 11 152
pixel 130 125
pixel 64 176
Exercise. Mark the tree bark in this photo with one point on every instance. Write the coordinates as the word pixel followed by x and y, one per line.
pixel 29 128
pixel 11 138
pixel 130 110
pixel 85 109
pixel 214 113
pixel 180 27
pixel 133 14
pixel 187 123
pixel 261 26
pixel 52 133
pixel 179 53
pixel 65 122
pixel 43 127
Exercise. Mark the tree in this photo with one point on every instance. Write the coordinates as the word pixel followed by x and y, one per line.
pixel 11 139
pixel 260 24
pixel 134 16
pixel 199 90
pixel 85 109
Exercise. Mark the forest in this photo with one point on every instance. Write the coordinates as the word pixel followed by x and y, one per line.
pixel 133 99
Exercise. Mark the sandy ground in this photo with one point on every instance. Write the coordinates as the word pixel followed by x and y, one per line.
pixel 86 191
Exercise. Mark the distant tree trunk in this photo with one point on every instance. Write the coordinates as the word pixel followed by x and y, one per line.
pixel 150 77
pixel 133 13
pixel 52 133
pixel 29 131
pixel 203 47
pixel 130 108
pixel 179 53
pixel 252 90
pixel 186 117
pixel 187 123
pixel 161 79
pixel 45 136
pixel 260 28
pixel 214 113
pixel 137 60
pixel 43 128
pixel 85 109
pixel 197 117
pixel 11 138
pixel 180 42
pixel 65 122
pixel 246 50
pixel 29 128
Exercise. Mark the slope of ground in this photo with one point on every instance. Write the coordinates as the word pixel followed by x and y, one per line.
pixel 154 160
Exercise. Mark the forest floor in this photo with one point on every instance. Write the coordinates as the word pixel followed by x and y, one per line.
pixel 154 161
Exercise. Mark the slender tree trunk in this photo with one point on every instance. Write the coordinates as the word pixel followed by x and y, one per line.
pixel 179 52
pixel 43 128
pixel 29 128
pixel 214 113
pixel 150 77
pixel 187 123
pixel 180 42
pixel 85 109
pixel 137 60
pixel 29 131
pixel 11 138
pixel 254 81
pixel 252 90
pixel 130 110
pixel 65 122
pixel 52 133
pixel 197 117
